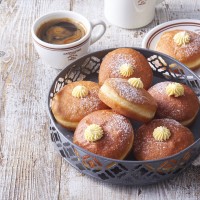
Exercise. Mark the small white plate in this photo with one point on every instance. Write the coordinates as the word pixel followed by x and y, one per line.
pixel 152 37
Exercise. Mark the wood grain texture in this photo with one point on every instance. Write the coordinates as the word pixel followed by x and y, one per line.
pixel 30 167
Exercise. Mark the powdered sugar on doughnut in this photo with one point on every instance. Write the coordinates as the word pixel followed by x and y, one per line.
pixel 148 148
pixel 121 129
pixel 125 90
pixel 118 61
pixel 120 122
pixel 193 47
pixel 89 103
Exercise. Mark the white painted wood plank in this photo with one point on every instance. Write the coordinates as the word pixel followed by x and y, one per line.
pixel 29 163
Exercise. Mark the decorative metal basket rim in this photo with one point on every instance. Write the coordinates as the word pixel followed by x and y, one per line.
pixel 111 159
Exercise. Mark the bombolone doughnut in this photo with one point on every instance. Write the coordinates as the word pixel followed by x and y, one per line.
pixel 183 45
pixel 128 98
pixel 176 101
pixel 161 138
pixel 125 63
pixel 105 133
pixel 74 101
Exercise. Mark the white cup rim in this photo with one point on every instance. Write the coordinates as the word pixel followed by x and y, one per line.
pixel 40 20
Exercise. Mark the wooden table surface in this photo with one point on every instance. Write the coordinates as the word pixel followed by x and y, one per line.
pixel 30 167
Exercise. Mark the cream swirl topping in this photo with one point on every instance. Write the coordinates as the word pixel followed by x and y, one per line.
pixel 161 133
pixel 175 89
pixel 126 70
pixel 93 133
pixel 136 82
pixel 80 91
pixel 181 38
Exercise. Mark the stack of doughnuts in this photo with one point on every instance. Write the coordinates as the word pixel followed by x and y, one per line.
pixel 102 113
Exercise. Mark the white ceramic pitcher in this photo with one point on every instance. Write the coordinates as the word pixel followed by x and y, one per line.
pixel 130 14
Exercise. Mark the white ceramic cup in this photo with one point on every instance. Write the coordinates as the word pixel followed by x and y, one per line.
pixel 130 14
pixel 60 55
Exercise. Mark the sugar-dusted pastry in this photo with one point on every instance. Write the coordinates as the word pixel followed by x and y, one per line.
pixel 125 63
pixel 105 133
pixel 176 101
pixel 129 98
pixel 74 101
pixel 183 45
pixel 161 138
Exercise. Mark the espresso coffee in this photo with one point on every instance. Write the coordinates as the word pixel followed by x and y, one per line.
pixel 61 31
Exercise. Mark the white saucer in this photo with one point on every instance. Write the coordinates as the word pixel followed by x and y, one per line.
pixel 151 38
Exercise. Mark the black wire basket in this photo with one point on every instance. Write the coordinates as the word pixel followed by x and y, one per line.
pixel 130 171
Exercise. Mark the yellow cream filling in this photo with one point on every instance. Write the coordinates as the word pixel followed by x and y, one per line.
pixel 126 70
pixel 161 133
pixel 175 89
pixel 93 133
pixel 80 91
pixel 136 82
pixel 182 38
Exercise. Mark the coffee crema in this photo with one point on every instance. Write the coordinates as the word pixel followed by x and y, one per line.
pixel 61 31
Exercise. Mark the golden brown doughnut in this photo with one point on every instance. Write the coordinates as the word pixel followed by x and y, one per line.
pixel 188 53
pixel 110 66
pixel 129 101
pixel 146 147
pixel 117 139
pixel 182 109
pixel 69 110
